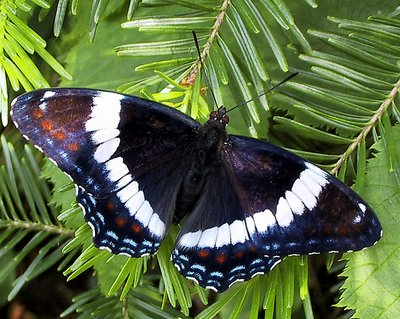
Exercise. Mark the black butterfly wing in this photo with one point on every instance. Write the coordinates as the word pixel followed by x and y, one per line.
pixel 261 203
pixel 125 154
pixel 292 206
pixel 214 248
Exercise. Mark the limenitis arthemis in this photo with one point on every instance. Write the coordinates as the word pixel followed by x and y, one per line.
pixel 139 165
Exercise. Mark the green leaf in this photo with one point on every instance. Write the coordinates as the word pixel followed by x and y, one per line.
pixel 106 71
pixel 18 40
pixel 169 47
pixel 226 297
pixel 180 24
pixel 60 15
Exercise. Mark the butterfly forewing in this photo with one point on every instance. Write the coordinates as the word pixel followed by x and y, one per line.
pixel 296 207
pixel 124 153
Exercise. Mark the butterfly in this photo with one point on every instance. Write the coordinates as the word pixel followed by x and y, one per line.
pixel 243 204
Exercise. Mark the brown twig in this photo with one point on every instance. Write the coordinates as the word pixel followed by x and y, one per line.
pixel 207 47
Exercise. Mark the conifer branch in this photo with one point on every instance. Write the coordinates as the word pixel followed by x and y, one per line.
pixel 207 47
pixel 39 227
pixel 365 131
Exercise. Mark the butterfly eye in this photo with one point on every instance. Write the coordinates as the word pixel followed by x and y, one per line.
pixel 213 115
pixel 225 119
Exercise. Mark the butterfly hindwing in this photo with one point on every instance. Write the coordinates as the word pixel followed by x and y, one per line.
pixel 214 248
pixel 296 207
pixel 123 152
pixel 115 230
pixel 140 233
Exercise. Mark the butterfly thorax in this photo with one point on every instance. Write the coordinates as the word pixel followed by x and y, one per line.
pixel 205 156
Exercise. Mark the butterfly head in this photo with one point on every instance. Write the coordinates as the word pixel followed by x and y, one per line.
pixel 220 116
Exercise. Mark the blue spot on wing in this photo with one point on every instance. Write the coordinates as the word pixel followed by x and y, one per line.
pixel 218 269
pixel 116 229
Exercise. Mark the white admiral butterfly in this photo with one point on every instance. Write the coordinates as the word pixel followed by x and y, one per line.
pixel 139 165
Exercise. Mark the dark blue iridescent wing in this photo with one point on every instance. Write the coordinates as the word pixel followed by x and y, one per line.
pixel 124 153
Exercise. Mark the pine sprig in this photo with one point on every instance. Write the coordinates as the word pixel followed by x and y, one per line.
pixel 142 302
pixel 373 123
pixel 368 96
pixel 17 42
pixel 207 21
pixel 27 224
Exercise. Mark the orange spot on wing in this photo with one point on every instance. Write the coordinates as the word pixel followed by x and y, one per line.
pixel 110 206
pixel 37 113
pixel 203 253
pixel 253 249
pixel 136 228
pixel 239 254
pixel 120 221
pixel 220 259
pixel 73 147
pixel 60 136
pixel 47 125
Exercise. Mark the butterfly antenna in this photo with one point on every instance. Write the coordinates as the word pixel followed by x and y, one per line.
pixel 266 92
pixel 196 42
